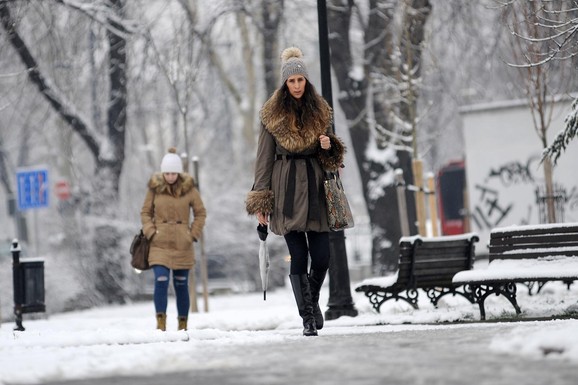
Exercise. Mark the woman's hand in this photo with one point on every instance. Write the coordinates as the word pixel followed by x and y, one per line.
pixel 325 142
pixel 263 219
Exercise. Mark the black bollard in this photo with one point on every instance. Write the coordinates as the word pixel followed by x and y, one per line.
pixel 18 284
pixel 340 301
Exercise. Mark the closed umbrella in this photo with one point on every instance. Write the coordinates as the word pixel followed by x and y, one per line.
pixel 263 258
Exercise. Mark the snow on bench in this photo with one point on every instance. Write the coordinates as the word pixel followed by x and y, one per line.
pixel 524 254
pixel 424 263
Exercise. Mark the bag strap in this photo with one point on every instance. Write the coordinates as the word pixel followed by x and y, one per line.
pixel 330 175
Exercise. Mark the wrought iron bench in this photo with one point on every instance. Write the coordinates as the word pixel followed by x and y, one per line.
pixel 524 255
pixel 424 263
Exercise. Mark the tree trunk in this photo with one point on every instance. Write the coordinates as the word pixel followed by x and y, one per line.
pixel 272 11
pixel 367 99
pixel 107 150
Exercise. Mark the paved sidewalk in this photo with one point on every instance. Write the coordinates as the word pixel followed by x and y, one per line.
pixel 367 356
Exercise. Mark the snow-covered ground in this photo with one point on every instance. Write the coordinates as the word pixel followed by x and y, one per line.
pixel 122 341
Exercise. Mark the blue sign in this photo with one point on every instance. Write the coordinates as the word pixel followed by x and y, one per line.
pixel 32 189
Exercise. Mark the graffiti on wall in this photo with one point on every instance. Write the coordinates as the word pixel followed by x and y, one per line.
pixel 492 203
pixel 513 173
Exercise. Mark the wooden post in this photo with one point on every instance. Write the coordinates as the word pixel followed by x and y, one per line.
pixel 401 202
pixel 417 166
pixel 466 210
pixel 204 272
pixel 433 207
pixel 193 291
pixel 192 275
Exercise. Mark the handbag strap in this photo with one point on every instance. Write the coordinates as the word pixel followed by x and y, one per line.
pixel 330 175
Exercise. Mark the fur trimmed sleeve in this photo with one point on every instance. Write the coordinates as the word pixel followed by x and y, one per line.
pixel 259 202
pixel 332 159
pixel 261 198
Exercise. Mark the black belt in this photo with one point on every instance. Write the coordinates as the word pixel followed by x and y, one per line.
pixel 313 195
pixel 173 222
pixel 293 156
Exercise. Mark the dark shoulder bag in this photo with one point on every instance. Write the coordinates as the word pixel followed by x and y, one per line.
pixel 139 250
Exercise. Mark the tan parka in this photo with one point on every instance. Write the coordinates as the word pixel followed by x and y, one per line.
pixel 166 221
pixel 283 145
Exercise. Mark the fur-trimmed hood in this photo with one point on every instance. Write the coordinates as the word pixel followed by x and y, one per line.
pixel 284 126
pixel 184 184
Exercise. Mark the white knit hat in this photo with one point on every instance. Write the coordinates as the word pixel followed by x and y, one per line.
pixel 172 162
pixel 292 64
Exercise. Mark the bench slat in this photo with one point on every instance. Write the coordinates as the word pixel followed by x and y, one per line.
pixel 441 245
pixel 566 239
pixel 448 256
pixel 498 253
pixel 439 264
pixel 554 248
pixel 532 230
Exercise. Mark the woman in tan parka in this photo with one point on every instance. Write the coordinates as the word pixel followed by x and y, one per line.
pixel 166 221
pixel 295 148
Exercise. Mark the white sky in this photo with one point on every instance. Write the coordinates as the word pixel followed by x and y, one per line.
pixel 121 340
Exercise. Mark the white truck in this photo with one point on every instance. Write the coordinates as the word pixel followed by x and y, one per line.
pixel 504 173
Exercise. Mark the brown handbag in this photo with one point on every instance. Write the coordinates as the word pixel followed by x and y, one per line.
pixel 338 212
pixel 139 250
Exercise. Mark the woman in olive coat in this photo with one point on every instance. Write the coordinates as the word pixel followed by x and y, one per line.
pixel 166 221
pixel 295 147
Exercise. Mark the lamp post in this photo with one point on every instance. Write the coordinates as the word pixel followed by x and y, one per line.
pixel 340 300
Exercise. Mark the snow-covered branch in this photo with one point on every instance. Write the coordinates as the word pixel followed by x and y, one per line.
pixel 564 138
pixel 58 101
pixel 101 12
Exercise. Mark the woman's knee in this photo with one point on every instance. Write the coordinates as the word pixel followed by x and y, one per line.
pixel 319 250
pixel 181 278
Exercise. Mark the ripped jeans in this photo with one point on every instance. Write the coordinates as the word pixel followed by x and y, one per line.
pixel 180 284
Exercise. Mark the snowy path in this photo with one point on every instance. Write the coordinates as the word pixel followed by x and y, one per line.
pixel 245 340
pixel 400 355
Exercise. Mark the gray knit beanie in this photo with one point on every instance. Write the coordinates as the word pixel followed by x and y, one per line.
pixel 292 64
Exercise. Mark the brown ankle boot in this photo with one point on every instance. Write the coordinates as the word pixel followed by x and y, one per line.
pixel 182 323
pixel 162 321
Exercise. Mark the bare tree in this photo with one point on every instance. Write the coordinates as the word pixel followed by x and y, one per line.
pixel 369 78
pixel 105 145
pixel 555 33
pixel 271 15
pixel 542 35
pixel 179 63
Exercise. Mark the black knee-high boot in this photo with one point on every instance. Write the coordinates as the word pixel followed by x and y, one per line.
pixel 316 279
pixel 302 292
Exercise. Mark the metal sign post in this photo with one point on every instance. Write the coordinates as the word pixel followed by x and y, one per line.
pixel 33 189
pixel 33 193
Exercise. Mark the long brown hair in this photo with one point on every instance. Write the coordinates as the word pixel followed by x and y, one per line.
pixel 305 109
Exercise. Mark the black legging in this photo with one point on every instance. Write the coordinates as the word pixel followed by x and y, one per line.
pixel 318 249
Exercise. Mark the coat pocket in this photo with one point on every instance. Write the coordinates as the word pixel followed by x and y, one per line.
pixel 184 239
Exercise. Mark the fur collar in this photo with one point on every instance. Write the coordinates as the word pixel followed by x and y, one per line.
pixel 283 126
pixel 184 184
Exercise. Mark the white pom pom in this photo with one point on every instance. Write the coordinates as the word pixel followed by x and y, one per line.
pixel 290 52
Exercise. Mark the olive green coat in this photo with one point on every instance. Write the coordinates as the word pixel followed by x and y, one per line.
pixel 166 221
pixel 280 135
